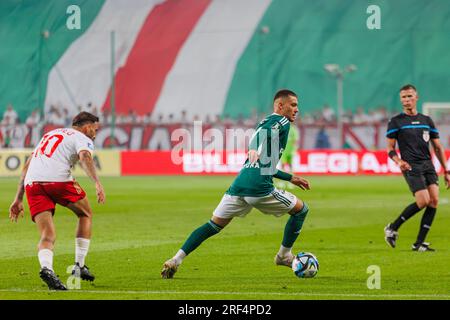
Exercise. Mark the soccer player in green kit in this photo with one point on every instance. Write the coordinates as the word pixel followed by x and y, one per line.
pixel 253 187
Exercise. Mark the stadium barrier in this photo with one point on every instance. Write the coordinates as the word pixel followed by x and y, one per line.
pixel 344 162
pixel 159 137
pixel 126 163
pixel 12 161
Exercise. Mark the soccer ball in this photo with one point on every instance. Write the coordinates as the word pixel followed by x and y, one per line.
pixel 305 265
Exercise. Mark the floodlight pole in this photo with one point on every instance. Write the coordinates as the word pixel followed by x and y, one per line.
pixel 340 107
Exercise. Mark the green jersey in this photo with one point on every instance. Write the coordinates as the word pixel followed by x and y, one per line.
pixel 269 139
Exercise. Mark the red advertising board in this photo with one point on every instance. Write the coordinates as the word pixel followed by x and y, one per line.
pixel 345 162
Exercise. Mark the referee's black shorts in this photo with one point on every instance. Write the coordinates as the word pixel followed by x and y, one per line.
pixel 421 176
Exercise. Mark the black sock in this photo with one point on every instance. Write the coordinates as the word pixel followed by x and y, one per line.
pixel 409 211
pixel 425 224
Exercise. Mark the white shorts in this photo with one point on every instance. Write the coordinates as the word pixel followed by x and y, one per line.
pixel 277 203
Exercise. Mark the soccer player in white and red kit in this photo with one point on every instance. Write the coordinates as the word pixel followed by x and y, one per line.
pixel 47 180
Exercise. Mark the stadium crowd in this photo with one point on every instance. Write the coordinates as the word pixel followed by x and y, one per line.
pixel 61 116
pixel 322 119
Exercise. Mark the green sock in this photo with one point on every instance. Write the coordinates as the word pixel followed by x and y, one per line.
pixel 199 235
pixel 293 227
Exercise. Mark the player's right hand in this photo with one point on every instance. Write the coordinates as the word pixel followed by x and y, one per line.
pixel 253 156
pixel 100 193
pixel 15 210
pixel 300 182
pixel 404 166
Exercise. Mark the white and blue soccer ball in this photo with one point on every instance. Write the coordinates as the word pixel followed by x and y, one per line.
pixel 305 265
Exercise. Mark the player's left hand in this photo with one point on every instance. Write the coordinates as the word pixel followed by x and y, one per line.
pixel 447 179
pixel 300 182
pixel 15 210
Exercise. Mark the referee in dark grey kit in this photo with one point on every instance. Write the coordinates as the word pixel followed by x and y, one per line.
pixel 413 132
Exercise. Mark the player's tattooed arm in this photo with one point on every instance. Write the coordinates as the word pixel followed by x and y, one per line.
pixel 21 186
pixel 16 208
pixel 87 163
pixel 440 154
pixel 404 166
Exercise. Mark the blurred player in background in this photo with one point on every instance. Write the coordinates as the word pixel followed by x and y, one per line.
pixel 288 156
pixel 47 180
pixel 413 131
pixel 253 187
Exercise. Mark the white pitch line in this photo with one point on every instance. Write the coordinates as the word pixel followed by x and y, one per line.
pixel 445 296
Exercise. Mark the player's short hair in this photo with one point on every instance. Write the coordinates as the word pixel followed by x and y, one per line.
pixel 407 87
pixel 82 118
pixel 284 93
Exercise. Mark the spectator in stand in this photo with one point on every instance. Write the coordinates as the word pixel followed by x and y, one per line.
pixel 10 116
pixel 120 119
pixel 67 118
pixel 347 117
pixel 131 118
pixel 89 107
pixel 216 123
pixel 322 139
pixel 251 121
pixel 171 119
pixel 381 115
pixel 5 121
pixel 208 120
pixel 183 118
pixel 34 118
pixel 147 118
pixel 361 117
pixel 196 118
pixel 6 133
pixel 160 120
pixel 140 119
pixel 227 121
pixel 307 118
pixel 55 117
pixel 239 122
pixel 328 114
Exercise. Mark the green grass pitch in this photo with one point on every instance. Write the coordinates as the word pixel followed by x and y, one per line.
pixel 146 220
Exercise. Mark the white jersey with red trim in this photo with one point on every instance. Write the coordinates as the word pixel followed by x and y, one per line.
pixel 56 154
